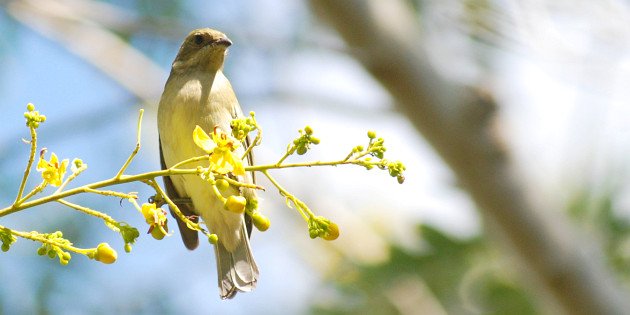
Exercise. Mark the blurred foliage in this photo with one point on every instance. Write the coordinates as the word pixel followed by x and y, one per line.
pixel 461 274
pixel 597 214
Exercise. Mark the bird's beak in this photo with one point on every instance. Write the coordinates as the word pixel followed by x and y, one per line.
pixel 224 41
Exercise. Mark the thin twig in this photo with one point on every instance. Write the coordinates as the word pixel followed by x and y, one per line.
pixel 136 149
pixel 71 178
pixel 33 236
pixel 31 159
pixel 298 204
pixel 89 211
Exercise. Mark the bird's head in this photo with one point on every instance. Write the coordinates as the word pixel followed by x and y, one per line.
pixel 202 49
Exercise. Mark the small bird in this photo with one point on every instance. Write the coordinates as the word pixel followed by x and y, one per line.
pixel 198 93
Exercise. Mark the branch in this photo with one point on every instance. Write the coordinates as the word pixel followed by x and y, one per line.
pixel 386 38
pixel 66 24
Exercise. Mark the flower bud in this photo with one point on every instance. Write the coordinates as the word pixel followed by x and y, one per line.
pixel 77 163
pixel 261 222
pixel 157 233
pixel 213 239
pixel 313 233
pixel 105 254
pixel 371 134
pixel 127 248
pixel 301 150
pixel 314 140
pixel 222 184
pixel 400 178
pixel 30 107
pixel 5 247
pixel 308 130
pixel 332 233
pixel 236 204
pixel 64 258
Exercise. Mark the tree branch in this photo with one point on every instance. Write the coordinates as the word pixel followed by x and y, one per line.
pixel 109 53
pixel 386 38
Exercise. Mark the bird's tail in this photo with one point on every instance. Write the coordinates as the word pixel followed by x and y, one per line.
pixel 237 270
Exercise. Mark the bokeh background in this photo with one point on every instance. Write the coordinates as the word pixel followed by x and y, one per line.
pixel 554 73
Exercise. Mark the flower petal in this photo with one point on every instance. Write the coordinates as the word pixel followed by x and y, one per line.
pixel 202 140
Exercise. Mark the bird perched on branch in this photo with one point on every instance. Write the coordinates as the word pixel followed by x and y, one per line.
pixel 198 93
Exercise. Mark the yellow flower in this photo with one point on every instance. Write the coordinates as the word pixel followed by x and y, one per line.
pixel 52 171
pixel 220 147
pixel 156 219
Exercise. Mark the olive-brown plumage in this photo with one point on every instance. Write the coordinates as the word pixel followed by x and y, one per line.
pixel 198 93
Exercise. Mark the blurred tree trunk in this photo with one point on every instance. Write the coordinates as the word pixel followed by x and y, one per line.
pixel 386 38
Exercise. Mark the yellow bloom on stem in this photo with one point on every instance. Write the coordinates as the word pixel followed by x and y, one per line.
pixel 156 219
pixel 220 147
pixel 52 171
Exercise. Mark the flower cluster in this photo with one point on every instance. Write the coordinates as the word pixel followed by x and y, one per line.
pixel 241 127
pixel 223 163
pixel 33 117
pixel 374 155
pixel 396 169
pixel 321 227
pixel 52 249
pixel 376 147
pixel 303 143
pixel 6 238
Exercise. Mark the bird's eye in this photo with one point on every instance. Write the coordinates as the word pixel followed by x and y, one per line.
pixel 198 39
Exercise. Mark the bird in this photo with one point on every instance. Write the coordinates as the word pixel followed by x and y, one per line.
pixel 198 93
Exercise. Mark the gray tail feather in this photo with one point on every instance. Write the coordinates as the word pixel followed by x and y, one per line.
pixel 237 270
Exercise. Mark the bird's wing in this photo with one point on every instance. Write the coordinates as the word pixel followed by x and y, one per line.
pixel 190 237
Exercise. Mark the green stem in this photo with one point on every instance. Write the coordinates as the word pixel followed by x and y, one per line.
pixel 240 184
pixel 104 183
pixel 290 151
pixel 112 193
pixel 254 143
pixel 298 204
pixel 264 167
pixel 89 211
pixel 70 178
pixel 38 238
pixel 218 194
pixel 136 149
pixel 191 160
pixel 35 191
pixel 31 159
